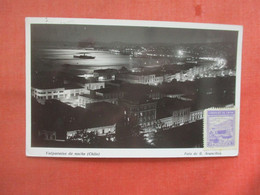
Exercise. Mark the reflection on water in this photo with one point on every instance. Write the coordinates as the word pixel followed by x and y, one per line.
pixel 103 59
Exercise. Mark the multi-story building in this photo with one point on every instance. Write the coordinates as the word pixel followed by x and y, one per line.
pixel 146 79
pixel 105 74
pixel 78 135
pixel 148 91
pixel 109 92
pixel 85 99
pixel 196 115
pixel 181 116
pixel 41 94
pixel 94 85
pixel 164 123
pixel 45 94
pixel 143 111
pixel 110 95
pixel 73 91
pixel 173 112
pixel 99 119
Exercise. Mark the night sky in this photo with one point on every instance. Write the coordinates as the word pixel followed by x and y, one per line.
pixel 133 35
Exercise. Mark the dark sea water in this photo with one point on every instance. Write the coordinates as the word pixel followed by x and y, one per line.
pixel 103 59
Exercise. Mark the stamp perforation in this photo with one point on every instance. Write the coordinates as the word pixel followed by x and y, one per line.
pixel 220 129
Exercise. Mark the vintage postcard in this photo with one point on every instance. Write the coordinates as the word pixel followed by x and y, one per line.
pixel 132 89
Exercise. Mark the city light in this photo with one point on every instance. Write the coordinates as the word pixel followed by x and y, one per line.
pixel 180 52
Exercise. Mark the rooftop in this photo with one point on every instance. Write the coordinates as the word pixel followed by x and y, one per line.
pixel 166 106
pixel 92 96
pixel 73 86
pixel 139 88
pixel 137 99
pixel 108 90
pixel 97 115
pixel 47 85
pixel 116 82
pixel 61 117
pixel 109 70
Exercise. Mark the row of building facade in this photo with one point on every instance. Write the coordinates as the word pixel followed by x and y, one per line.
pixel 144 111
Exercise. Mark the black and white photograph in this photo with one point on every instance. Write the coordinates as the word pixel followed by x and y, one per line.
pixel 108 84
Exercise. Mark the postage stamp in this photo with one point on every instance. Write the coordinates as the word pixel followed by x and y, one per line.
pixel 220 128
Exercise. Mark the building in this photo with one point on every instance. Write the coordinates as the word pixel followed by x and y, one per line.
pixel 105 74
pixel 196 115
pixel 45 94
pixel 94 85
pixel 110 95
pixel 164 123
pixel 109 92
pixel 146 79
pixel 85 99
pixel 173 112
pixel 148 91
pixel 73 91
pixel 98 131
pixel 47 135
pixel 62 121
pixel 61 93
pixel 141 110
pixel 99 119
pixel 181 116
pixel 114 83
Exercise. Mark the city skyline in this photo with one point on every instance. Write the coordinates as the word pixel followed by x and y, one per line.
pixel 127 34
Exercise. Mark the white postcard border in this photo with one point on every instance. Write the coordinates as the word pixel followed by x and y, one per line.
pixel 127 153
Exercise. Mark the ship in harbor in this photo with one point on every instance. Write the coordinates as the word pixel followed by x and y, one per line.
pixel 83 56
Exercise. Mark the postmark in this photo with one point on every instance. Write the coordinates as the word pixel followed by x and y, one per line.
pixel 220 128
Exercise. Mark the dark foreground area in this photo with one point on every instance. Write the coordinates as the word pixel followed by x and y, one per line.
pixel 186 136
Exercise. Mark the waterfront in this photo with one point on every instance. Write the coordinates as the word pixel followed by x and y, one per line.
pixel 103 59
